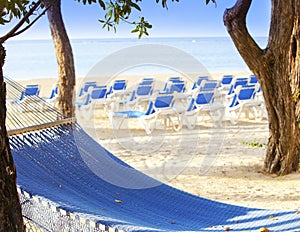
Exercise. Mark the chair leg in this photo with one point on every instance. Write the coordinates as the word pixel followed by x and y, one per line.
pixel 176 124
pixel 189 120
pixel 217 116
pixel 116 122
pixel 144 124
pixel 232 116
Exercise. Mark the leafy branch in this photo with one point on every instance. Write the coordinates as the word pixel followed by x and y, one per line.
pixel 20 9
pixel 12 9
pixel 118 11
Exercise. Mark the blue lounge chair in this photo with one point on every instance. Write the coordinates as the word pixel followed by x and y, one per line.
pixel 198 82
pixel 85 89
pixel 209 85
pixel 95 100
pixel 236 83
pixel 28 99
pixel 175 79
pixel 30 91
pixel 147 81
pixel 170 82
pixel 117 87
pixel 178 87
pixel 118 118
pixel 83 100
pixel 160 111
pixel 142 92
pixel 201 104
pixel 84 96
pixel 227 79
pixel 226 82
pixel 163 114
pixel 131 100
pixel 253 79
pixel 53 98
pixel 54 92
pixel 244 101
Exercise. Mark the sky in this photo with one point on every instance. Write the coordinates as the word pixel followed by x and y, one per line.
pixel 187 18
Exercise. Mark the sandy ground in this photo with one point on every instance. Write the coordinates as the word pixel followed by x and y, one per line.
pixel 212 162
pixel 215 163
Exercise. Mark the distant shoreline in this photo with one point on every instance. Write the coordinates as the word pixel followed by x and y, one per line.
pixel 132 38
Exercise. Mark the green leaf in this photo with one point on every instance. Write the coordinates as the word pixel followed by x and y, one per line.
pixel 164 3
pixel 126 9
pixel 140 35
pixel 109 13
pixel 147 25
pixel 102 4
pixel 135 30
pixel 136 6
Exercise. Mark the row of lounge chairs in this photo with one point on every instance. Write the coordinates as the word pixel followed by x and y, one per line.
pixel 174 105
pixel 169 104
pixel 29 100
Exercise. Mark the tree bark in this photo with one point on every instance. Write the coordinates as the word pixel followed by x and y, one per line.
pixel 64 55
pixel 10 209
pixel 277 68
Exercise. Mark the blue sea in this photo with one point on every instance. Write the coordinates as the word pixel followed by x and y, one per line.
pixel 31 59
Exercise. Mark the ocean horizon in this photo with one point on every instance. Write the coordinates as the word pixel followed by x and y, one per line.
pixel 34 59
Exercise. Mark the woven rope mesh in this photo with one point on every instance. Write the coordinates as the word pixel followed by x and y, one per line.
pixel 27 112
pixel 40 217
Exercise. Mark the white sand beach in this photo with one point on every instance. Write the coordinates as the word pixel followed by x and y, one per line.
pixel 215 163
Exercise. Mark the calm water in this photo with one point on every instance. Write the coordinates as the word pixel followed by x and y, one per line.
pixel 36 58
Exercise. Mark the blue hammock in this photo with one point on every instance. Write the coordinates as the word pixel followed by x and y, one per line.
pixel 66 166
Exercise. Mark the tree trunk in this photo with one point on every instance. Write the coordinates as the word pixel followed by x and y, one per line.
pixel 64 55
pixel 277 68
pixel 10 209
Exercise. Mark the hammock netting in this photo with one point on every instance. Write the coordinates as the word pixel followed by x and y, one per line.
pixel 67 182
